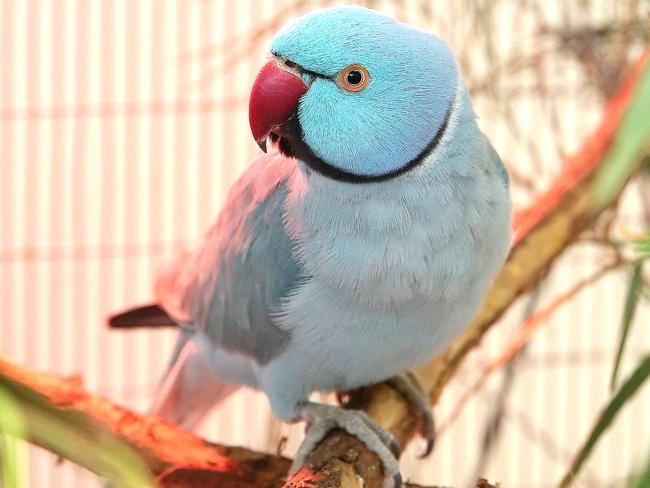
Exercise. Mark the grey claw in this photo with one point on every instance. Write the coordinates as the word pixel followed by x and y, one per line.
pixel 386 437
pixel 409 386
pixel 397 481
pixel 430 443
pixel 395 448
pixel 322 418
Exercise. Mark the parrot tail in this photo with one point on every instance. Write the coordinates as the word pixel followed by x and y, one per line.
pixel 190 388
pixel 146 316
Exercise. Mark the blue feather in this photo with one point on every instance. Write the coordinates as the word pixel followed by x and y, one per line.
pixel 379 129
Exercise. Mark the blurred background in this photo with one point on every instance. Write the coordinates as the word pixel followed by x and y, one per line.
pixel 123 124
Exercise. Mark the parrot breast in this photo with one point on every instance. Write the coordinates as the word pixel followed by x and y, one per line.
pixel 396 269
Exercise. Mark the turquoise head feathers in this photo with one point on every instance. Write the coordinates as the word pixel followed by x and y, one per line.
pixel 412 78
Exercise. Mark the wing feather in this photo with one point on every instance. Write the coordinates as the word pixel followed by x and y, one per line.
pixel 235 282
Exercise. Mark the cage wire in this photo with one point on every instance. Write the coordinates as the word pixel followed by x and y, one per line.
pixel 122 125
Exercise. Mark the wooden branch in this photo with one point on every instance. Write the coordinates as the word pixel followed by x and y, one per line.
pixel 162 444
pixel 542 233
pixel 180 459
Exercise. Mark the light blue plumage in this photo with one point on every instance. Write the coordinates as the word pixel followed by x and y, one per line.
pixel 362 259
pixel 413 82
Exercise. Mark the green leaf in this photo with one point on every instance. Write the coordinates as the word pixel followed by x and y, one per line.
pixel 646 165
pixel 631 302
pixel 12 425
pixel 630 142
pixel 642 480
pixel 625 392
pixel 643 246
pixel 75 436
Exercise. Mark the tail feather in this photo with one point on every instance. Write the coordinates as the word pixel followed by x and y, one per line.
pixel 147 316
pixel 191 388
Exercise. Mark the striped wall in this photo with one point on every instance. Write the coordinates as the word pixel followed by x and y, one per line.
pixel 122 125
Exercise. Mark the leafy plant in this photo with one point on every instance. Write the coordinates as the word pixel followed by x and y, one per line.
pixel 631 303
pixel 622 396
pixel 12 426
pixel 630 144
pixel 72 435
pixel 627 153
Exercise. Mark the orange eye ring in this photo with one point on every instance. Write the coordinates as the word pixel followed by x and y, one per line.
pixel 353 78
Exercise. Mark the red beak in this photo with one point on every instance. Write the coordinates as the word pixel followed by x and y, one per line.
pixel 274 99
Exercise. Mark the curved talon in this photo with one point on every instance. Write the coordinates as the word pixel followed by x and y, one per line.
pixel 409 386
pixel 428 448
pixel 395 448
pixel 397 480
pixel 428 431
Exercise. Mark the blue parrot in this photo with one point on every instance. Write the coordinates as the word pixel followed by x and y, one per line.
pixel 359 247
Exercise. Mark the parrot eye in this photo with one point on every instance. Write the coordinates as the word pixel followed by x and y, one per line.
pixel 354 78
pixel 288 65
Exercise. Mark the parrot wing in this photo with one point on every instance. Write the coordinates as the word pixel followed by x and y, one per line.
pixel 232 286
pixel 498 163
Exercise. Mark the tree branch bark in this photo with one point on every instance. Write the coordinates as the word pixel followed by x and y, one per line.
pixel 181 459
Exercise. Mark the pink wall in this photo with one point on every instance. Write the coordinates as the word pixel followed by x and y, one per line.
pixel 122 124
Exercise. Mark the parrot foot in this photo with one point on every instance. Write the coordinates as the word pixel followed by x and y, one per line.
pixel 409 386
pixel 322 418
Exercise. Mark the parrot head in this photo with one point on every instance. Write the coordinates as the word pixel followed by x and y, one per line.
pixel 354 94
